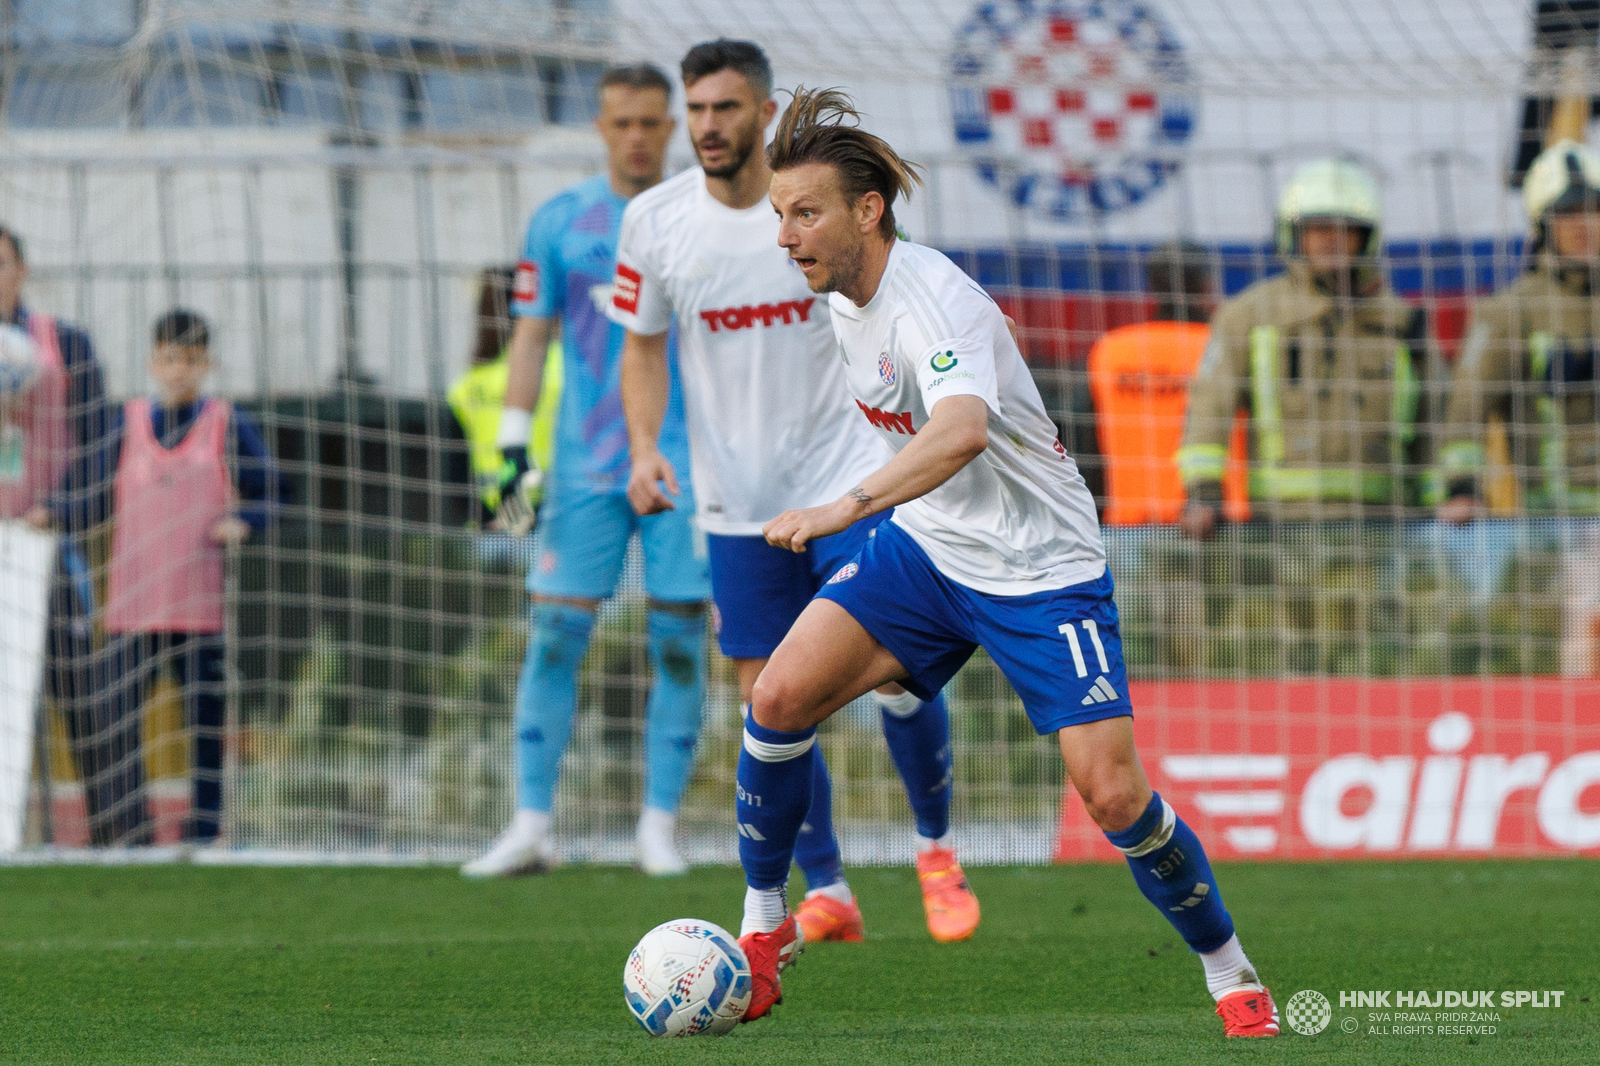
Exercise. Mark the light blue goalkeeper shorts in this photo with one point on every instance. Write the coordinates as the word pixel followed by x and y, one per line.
pixel 583 544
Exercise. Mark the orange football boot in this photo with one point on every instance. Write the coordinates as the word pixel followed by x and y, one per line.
pixel 952 908
pixel 769 954
pixel 825 918
pixel 1248 1012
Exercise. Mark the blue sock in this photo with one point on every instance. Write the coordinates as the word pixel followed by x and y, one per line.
pixel 547 698
pixel 677 646
pixel 774 793
pixel 919 744
pixel 816 852
pixel 1171 869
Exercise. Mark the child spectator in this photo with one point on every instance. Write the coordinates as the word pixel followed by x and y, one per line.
pixel 193 478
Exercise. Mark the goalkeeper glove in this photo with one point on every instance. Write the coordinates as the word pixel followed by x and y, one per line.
pixel 521 486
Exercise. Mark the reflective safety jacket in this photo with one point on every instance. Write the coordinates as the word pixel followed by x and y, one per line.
pixel 477 398
pixel 1529 357
pixel 1334 391
pixel 1139 376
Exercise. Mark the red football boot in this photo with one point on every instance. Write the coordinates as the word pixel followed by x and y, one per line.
pixel 825 918
pixel 769 954
pixel 951 906
pixel 1248 1012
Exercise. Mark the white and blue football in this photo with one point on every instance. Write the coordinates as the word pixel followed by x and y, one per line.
pixel 687 977
pixel 19 361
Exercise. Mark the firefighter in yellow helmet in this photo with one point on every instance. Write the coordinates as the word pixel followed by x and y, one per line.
pixel 1326 361
pixel 1529 354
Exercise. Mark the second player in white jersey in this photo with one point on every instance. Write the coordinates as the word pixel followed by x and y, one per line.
pixel 765 394
pixel 771 428
pixel 1018 518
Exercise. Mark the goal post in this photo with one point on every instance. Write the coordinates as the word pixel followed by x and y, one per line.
pixel 327 182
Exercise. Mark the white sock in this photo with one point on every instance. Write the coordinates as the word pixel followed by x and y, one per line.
pixel 1228 970
pixel 764 909
pixel 927 844
pixel 530 823
pixel 839 890
pixel 653 821
pixel 901 705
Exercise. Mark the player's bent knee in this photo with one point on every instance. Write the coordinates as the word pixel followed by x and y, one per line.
pixel 775 703
pixel 1114 801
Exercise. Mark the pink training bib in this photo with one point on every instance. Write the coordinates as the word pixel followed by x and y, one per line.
pixel 166 571
pixel 35 432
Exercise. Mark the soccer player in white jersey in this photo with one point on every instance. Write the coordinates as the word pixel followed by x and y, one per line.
pixel 771 428
pixel 994 543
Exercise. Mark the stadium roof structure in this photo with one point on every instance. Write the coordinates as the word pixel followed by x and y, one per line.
pixel 1238 47
pixel 464 63
pixel 358 66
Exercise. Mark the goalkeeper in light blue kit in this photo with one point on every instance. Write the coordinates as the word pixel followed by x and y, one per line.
pixel 566 273
pixel 994 543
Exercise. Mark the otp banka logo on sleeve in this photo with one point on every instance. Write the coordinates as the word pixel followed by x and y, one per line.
pixel 1071 109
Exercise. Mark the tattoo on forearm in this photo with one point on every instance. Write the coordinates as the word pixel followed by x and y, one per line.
pixel 858 495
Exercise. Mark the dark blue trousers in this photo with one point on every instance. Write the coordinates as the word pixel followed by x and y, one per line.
pixel 198 665
pixel 105 739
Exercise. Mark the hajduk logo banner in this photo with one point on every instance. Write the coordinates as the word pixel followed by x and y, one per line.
pixel 1071 109
pixel 1331 767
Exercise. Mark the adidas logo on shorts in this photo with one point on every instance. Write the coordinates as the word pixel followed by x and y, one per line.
pixel 1100 692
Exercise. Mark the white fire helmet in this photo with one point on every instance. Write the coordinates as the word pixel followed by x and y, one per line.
pixel 1329 190
pixel 1564 177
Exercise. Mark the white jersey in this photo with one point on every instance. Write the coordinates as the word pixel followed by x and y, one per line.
pixel 771 425
pixel 1018 518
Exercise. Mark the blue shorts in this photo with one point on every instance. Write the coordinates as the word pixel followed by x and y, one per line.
pixel 760 590
pixel 583 542
pixel 1061 650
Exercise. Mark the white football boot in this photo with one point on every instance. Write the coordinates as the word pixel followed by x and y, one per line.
pixel 658 853
pixel 526 847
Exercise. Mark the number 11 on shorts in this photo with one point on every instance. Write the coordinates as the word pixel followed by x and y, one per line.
pixel 1070 631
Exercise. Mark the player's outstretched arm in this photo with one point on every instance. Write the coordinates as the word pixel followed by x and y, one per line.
pixel 957 432
pixel 645 386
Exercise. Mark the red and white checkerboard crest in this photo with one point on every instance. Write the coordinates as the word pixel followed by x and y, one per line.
pixel 1072 109
pixel 886 368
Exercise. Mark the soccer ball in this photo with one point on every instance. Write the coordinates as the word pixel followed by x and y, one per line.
pixel 19 362
pixel 687 977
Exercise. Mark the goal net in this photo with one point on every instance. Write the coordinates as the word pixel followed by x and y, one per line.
pixel 328 182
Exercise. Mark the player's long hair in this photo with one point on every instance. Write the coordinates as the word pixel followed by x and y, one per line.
pixel 823 126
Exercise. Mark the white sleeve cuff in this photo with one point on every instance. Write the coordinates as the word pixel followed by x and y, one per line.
pixel 515 427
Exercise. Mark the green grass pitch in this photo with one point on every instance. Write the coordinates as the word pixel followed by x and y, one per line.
pixel 196 965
